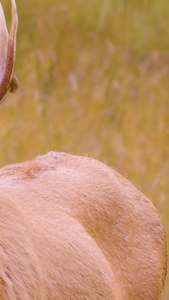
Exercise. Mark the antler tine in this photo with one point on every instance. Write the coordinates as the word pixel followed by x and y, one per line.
pixel 8 81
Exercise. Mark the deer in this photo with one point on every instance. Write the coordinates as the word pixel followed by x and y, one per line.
pixel 71 227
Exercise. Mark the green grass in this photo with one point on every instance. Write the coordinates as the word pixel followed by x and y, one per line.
pixel 94 80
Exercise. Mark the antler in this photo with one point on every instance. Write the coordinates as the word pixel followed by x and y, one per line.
pixel 8 81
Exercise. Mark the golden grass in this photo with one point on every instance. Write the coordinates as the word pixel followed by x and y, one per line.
pixel 94 80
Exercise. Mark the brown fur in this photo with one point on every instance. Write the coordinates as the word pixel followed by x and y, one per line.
pixel 72 228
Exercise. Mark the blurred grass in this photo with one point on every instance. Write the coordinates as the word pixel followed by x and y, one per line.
pixel 94 80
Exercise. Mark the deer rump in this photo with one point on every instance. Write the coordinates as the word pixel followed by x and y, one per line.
pixel 73 228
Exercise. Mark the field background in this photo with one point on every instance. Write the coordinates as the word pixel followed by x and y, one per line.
pixel 94 80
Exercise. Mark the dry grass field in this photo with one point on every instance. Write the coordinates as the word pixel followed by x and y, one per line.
pixel 94 80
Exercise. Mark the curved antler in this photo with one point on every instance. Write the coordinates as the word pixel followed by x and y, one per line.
pixel 8 81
